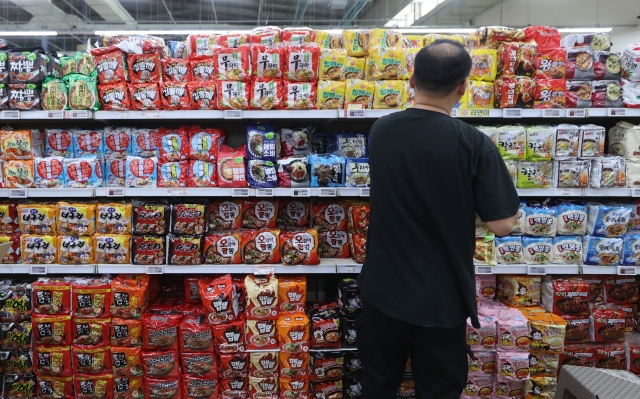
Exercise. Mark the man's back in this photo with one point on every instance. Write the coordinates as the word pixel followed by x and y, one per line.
pixel 430 173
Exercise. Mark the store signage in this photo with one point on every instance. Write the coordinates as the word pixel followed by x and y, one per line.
pixel 635 192
pixel 537 270
pixel 564 192
pixel 577 113
pixel 512 113
pixel 83 114
pixel 38 269
pixel 55 115
pixel 177 192
pixel 264 192
pixel 617 112
pixel 124 115
pixel 551 113
pixel 151 114
pixel 365 192
pixel 350 269
pixel 473 113
pixel 261 270
pixel 115 192
pixel 300 192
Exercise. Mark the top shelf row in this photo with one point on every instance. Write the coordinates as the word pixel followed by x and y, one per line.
pixel 511 113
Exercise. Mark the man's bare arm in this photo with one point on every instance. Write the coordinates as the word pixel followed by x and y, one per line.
pixel 502 227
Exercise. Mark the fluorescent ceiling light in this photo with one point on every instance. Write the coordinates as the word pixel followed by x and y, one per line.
pixel 166 32
pixel 30 33
pixel 584 30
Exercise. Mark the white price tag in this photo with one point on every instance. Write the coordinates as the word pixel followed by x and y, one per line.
pixel 577 113
pixel 155 269
pixel 635 192
pixel 626 270
pixel 512 113
pixel 177 192
pixel 264 192
pixel 38 269
pixel 152 114
pixel 484 270
pixel 300 192
pixel 564 192
pixel 233 114
pixel 124 115
pixel 551 113
pixel 55 115
pixel 355 113
pixel 617 112
pixel 537 270
pixel 78 114
pixel 350 269
pixel 10 114
pixel 115 192
pixel 18 193
pixel 365 192
pixel 328 192
pixel 239 192
pixel 262 270
pixel 454 113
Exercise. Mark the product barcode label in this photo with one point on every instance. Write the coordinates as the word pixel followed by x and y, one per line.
pixel 239 192
pixel 626 270
pixel 484 270
pixel 537 270
pixel 577 113
pixel 38 269
pixel 512 113
pixel 617 112
pixel 177 192
pixel 550 113
pixel 152 114
pixel 155 269
pixel 365 192
pixel 55 114
pixel 355 113
pixel 300 192
pixel 233 114
pixel 263 270
pixel 10 114
pixel 328 192
pixel 115 192
pixel 78 114
pixel 264 192
pixel 18 193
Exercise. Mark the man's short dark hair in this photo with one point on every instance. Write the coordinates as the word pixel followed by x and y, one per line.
pixel 442 67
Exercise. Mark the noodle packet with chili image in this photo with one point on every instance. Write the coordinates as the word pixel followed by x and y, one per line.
pixel 326 365
pixel 172 174
pixel 91 297
pixel 263 363
pixel 195 335
pixel 19 387
pixel 202 95
pixel 163 388
pixel 200 363
pixel 91 331
pixel 234 388
pixel 230 337
pixel 294 364
pixel 89 359
pixel 224 215
pixel 144 96
pixel 150 217
pixel 52 387
pixel 621 290
pixel 18 362
pixel 126 332
pixel 266 94
pixel 160 331
pixel 148 250
pixel 325 327
pixel 231 167
pixel 299 247
pixel 261 334
pixel 200 387
pixel 329 216
pixel 293 332
pixel 52 296
pixel 233 64
pixel 128 297
pixel 222 248
pixel 292 293
pixel 220 299
pixel 112 68
pixel 52 330
pixel 144 68
pixel 176 70
pixel 262 297
pixel 127 387
pixel 175 96
pixel 114 97
pixel 260 246
pixel 234 365
pixel 607 323
pixel 16 335
pixel 161 364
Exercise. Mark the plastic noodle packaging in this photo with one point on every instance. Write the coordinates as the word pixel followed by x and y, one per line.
pixel 629 65
pixel 480 95
pixel 540 141
pixel 356 42
pixel 519 290
pixel 330 94
pixel 386 63
pixel 266 94
pixel 117 142
pixel 601 251
pixel 357 172
pixel 358 91
pixel 389 94
pixel 84 172
pixel 630 93
pixel 87 142
pixel 608 172
pixel 483 338
pixel 578 94
pixel 173 144
pixel 624 140
pixel 484 64
pixel 537 250
pixel 572 218
pixel 172 174
pixel 293 172
pixel 299 95
pixel 535 174
pixel 141 172
pixel 327 170
pixel 568 141
pixel 233 95
pixel 58 143
pixel 144 143
pixel 49 172
pixel 633 173
pixel 331 64
pixel 631 255
pixel 485 251
pixel 572 174
pixel 512 142
pixel 608 220
pixel 509 250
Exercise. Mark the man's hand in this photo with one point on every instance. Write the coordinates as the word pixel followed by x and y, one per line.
pixel 502 227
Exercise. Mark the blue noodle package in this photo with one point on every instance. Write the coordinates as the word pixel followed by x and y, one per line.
pixel 172 174
pixel 142 172
pixel 262 142
pixel 541 220
pixel 602 251
pixel 262 174
pixel 537 250
pixel 144 143
pixel 351 145
pixel 49 172
pixel 327 170
pixel 117 142
pixel 59 143
pixel 115 172
pixel 88 142
pixel 357 172
pixel 631 255
pixel 509 250
pixel 85 172
pixel 572 218
pixel 567 250
pixel 608 220
pixel 178 49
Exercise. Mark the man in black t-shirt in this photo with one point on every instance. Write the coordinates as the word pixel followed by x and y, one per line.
pixel 430 175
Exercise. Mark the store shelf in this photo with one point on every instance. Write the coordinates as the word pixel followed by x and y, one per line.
pixel 163 192
pixel 523 269
pixel 326 266
pixel 51 269
pixel 347 266
pixel 47 193
pixel 575 192
pixel 198 114
pixel 48 115
pixel 333 349
pixel 604 269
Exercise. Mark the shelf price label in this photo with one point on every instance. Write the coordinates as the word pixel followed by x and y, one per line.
pixel 350 269
pixel 55 114
pixel 635 192
pixel 155 269
pixel 473 113
pixel 18 193
pixel 365 192
pixel 38 269
pixel 564 192
pixel 239 192
pixel 264 192
pixel 115 192
pixel 484 270
pixel 300 192
pixel 627 271
pixel 328 192
pixel 177 192
pixel 355 113
pixel 262 270
pixel 152 114
pixel 512 113
pixel 617 112
pixel 233 114
pixel 77 114
pixel 124 115
pixel 551 113
pixel 537 270
pixel 10 114
pixel 577 113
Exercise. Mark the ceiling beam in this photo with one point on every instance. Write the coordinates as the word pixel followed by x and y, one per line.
pixel 45 13
pixel 302 7
pixel 111 11
pixel 353 12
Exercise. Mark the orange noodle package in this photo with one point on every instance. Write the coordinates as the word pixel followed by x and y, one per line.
pixel 188 218
pixel 161 364
pixel 233 94
pixel 129 297
pixel 329 216
pixel 358 245
pixel 91 297
pixel 299 247
pixel 261 246
pixel 258 214
pixel 222 215
pixel 203 70
pixel 202 95
pixel 52 296
pixel 261 334
pixel 126 332
pixel 220 299
pixel 90 386
pixel 9 216
pixel 222 248
pixel 358 215
pixel 37 218
pixel 293 332
pixel 112 248
pixel 38 249
pixel 197 386
pixel 19 174
pixel 77 219
pixel 52 330
pixel 292 293
pixel 89 359
pixel 175 70
pixel 126 361
pixel 174 96
pixel 91 331
pixel 144 68
pixel 114 97
pixel 53 360
pixel 195 335
pixel 160 331
pixel 293 213
pixel 262 297
pixel 145 96
pixel 74 250
pixel 268 62
pixel 229 338
pixel 301 63
pixel 16 145
pixel 294 364
pixel 233 63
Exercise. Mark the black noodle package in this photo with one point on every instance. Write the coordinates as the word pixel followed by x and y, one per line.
pixel 16 335
pixel 352 386
pixel 17 387
pixel 15 302
pixel 326 365
pixel 349 332
pixel 293 172
pixel 150 217
pixel 4 96
pixel 16 362
pixel 262 174
pixel 349 298
pixel 352 363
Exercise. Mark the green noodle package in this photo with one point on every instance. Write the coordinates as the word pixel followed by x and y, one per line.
pixel 83 92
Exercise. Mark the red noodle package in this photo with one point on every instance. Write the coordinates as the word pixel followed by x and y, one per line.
pixel 577 355
pixel 174 96
pixel 266 94
pixel 514 92
pixel 260 246
pixel 607 323
pixel 91 331
pixel 301 63
pixel 161 364
pixel 126 332
pixel 114 97
pixel 233 94
pixel 150 217
pixel 621 290
pixel 550 93
pixel 547 37
pixel 634 357
pixel 89 386
pixel 126 361
pixel 91 297
pixel 203 70
pixel 188 218
pixel 53 360
pixel 268 62
pixel 551 63
pixel 89 359
pixel 145 96
pixel 160 331
pixel 173 144
pixel 611 357
pixel 8 217
pixel 200 363
pixel 144 68
pixel 204 144
pixel 202 95
pixel 297 36
pixel 358 245
pixel 169 388
pixel 234 40
pixel 570 297
pixel 175 70
pixel 13 255
pixel 261 334
pixel 258 214
pixel 201 45
pixel 129 296
pixel 233 63
pixel 234 365
pixel 231 169
pixel 235 388
pixel 51 296
pixel 192 290
pixel 54 387
pixel 202 174
pixel 224 215
pixel 200 387
pixel 112 68
pixel 195 335
pixel 299 95
pixel 222 248
pixel 172 174
pixel 220 299
pixel 229 337
pixel 299 247
pixel 266 35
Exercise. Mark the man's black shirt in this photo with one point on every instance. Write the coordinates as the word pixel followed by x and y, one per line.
pixel 430 175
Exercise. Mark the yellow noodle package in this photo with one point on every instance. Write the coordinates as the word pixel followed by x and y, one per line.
pixel 332 63
pixel 386 63
pixel 409 95
pixel 480 95
pixel 330 94
pixel 76 219
pixel 112 248
pixel 38 249
pixel 410 61
pixel 464 100
pixel 18 174
pixel 356 42
pixel 37 218
pixel 359 91
pixel 432 37
pixel 411 41
pixel 326 39
pixel 354 68
pixel 385 38
pixel 75 250
pixel 484 64
pixel 389 94
pixel 113 218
